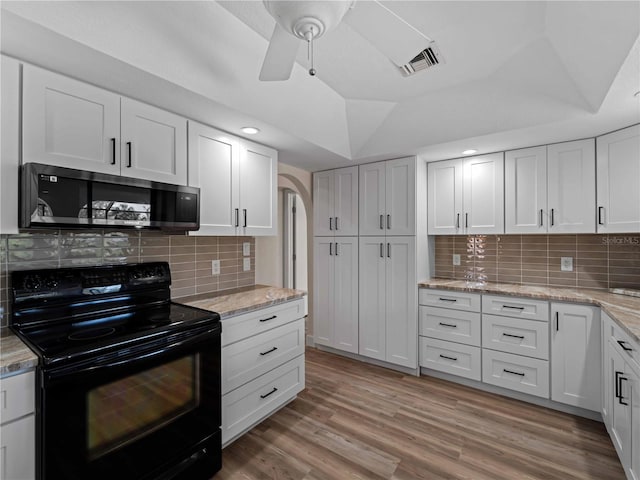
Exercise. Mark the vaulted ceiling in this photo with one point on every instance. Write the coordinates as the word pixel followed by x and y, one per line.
pixel 514 74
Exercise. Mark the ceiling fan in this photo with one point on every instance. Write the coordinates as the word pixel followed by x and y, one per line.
pixel 308 20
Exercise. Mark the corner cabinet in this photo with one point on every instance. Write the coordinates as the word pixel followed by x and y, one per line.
pixel 618 177
pixel 72 124
pixel 335 202
pixel 335 292
pixel 237 181
pixel 387 197
pixel 466 196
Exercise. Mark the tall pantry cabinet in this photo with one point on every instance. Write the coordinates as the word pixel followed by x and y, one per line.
pixel 391 256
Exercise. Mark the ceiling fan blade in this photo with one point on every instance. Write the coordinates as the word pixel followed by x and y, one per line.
pixel 281 55
pixel 389 33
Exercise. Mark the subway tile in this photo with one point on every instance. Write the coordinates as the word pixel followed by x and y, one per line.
pixel 14 256
pixel 182 292
pixel 182 241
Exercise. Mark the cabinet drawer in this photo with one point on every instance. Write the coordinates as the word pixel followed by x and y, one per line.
pixel 249 404
pixel 258 321
pixel 449 357
pixel 17 396
pixel 450 325
pixel 450 299
pixel 516 335
pixel 628 345
pixel 524 374
pixel 249 358
pixel 516 307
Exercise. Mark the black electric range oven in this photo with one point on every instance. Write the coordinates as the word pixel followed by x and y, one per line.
pixel 128 382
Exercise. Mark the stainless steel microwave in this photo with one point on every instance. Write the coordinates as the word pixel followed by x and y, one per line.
pixel 64 197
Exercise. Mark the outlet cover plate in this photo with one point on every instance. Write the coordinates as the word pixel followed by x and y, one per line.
pixel 246 249
pixel 246 264
pixel 215 267
pixel 566 264
pixel 456 259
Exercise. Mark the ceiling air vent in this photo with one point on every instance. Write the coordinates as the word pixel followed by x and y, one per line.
pixel 429 57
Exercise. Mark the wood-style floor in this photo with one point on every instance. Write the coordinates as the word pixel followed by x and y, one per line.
pixel 357 421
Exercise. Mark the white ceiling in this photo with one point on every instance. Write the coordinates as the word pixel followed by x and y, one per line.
pixel 515 74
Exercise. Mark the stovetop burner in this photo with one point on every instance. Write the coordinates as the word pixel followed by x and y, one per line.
pixel 91 334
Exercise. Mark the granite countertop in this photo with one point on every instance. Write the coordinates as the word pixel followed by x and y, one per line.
pixel 240 300
pixel 623 309
pixel 14 354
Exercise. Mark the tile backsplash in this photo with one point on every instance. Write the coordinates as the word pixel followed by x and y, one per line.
pixel 599 261
pixel 189 257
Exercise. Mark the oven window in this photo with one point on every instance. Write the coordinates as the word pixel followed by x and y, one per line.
pixel 127 409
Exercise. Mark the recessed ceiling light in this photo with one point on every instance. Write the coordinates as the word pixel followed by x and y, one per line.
pixel 469 152
pixel 250 130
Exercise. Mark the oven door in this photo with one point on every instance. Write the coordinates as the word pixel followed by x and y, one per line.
pixel 148 412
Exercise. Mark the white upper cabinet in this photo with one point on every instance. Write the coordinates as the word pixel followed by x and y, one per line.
pixel 444 192
pixel 214 162
pixel 571 197
pixel 9 144
pixel 483 194
pixel 618 181
pixel 72 124
pixel 387 197
pixel 258 189
pixel 68 123
pixel 237 181
pixel 335 202
pixel 153 143
pixel 525 195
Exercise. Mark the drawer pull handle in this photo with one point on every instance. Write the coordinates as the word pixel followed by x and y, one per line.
pixel 514 308
pixel 267 319
pixel 448 325
pixel 336 223
pixel 625 348
pixel 330 223
pixel 619 379
pixel 270 393
pixel 521 337
pixel 381 222
pixel 113 151
pixel 447 299
pixel 268 351
pixel 449 358
pixel 600 222
pixel 520 374
pixel 129 157
pixel 237 217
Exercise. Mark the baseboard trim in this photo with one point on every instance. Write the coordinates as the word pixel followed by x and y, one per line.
pixel 310 341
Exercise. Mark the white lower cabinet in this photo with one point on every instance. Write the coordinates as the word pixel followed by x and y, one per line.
pixel 575 356
pixel 516 372
pixel 262 365
pixel 17 426
pixel 621 395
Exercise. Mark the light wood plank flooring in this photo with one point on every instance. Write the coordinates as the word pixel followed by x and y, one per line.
pixel 357 421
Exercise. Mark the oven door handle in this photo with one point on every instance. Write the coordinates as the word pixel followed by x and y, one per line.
pixel 182 342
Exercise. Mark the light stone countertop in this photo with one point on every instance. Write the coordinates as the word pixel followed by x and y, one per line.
pixel 623 309
pixel 229 303
pixel 14 354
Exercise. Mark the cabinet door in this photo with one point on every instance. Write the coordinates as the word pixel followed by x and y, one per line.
pixel 525 190
pixel 372 298
pixel 154 143
pixel 10 144
pixel 401 302
pixel 401 196
pixel 17 444
pixel 258 189
pixel 323 290
pixel 483 194
pixel 345 190
pixel 372 196
pixel 445 197
pixel 68 123
pixel 575 356
pixel 618 177
pixel 323 203
pixel 345 284
pixel 620 429
pixel 634 400
pixel 607 375
pixel 571 183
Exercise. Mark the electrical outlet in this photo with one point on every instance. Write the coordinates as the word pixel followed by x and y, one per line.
pixel 246 264
pixel 566 264
pixel 456 259
pixel 246 249
pixel 215 267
